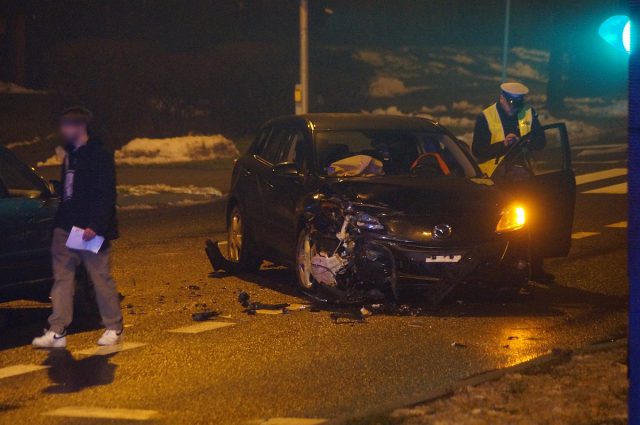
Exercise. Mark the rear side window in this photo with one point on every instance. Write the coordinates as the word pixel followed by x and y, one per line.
pixel 261 140
pixel 276 150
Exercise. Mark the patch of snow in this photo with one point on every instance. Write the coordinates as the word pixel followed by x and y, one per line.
pixel 156 189
pixel 462 59
pixel 23 143
pixel 55 159
pixel 520 70
pixel 432 109
pixel 391 110
pixel 452 122
pixel 598 107
pixel 384 86
pixel 467 107
pixel 137 207
pixel 532 55
pixel 579 131
pixel 176 149
pixel 370 57
pixel 12 88
pixel 164 151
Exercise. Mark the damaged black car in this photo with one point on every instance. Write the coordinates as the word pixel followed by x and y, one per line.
pixel 363 206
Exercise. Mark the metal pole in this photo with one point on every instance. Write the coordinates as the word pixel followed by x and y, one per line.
pixel 304 55
pixel 505 45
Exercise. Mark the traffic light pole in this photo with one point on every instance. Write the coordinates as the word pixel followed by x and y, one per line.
pixel 505 44
pixel 303 106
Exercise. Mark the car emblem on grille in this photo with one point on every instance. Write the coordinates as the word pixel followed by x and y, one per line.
pixel 442 231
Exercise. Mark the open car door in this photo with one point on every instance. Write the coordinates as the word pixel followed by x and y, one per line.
pixel 542 179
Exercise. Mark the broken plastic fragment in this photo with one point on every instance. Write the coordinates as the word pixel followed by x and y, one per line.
pixel 347 317
pixel 204 315
pixel 243 299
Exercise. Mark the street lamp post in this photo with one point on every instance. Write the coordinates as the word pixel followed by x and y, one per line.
pixel 302 95
pixel 505 44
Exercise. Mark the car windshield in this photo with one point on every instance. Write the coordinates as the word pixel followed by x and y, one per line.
pixel 352 153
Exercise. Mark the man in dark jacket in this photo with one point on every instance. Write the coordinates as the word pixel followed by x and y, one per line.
pixel 88 202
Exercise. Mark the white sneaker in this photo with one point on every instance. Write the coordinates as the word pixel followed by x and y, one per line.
pixel 110 337
pixel 50 339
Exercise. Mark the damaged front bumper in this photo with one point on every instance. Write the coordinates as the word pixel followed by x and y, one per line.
pixel 497 262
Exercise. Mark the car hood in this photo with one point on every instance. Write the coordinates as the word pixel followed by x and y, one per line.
pixel 410 206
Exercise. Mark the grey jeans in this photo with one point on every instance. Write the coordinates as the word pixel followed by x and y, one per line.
pixel 65 261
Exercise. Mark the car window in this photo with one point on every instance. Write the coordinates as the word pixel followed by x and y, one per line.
pixel 17 179
pixel 260 142
pixel 396 151
pixel 297 152
pixel 277 147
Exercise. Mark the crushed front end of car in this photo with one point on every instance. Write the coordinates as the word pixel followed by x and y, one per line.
pixel 354 251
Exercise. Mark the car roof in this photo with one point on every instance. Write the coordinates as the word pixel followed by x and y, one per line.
pixel 351 121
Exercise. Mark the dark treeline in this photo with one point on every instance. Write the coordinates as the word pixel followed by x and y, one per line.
pixel 165 67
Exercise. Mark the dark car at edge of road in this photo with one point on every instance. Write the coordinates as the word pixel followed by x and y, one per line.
pixel 363 205
pixel 27 209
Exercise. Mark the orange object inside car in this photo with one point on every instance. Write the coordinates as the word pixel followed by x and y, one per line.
pixel 443 165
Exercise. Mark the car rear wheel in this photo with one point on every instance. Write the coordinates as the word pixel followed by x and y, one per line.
pixel 239 242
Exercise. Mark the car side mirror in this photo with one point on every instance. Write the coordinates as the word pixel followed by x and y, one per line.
pixel 55 187
pixel 286 169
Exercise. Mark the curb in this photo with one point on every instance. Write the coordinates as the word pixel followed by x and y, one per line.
pixel 555 356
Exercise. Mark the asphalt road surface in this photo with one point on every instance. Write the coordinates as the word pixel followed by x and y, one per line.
pixel 241 368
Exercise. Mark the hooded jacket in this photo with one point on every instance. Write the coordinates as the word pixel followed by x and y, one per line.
pixel 93 200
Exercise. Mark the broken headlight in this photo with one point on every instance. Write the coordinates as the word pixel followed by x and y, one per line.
pixel 512 218
pixel 368 221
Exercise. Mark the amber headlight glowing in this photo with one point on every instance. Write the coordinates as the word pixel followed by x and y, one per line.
pixel 512 218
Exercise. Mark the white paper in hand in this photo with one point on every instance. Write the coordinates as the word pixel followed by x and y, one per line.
pixel 75 241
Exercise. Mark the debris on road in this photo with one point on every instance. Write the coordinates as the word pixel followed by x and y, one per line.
pixel 204 315
pixel 243 299
pixel 217 259
pixel 193 287
pixel 262 308
pixel 340 318
pixel 458 345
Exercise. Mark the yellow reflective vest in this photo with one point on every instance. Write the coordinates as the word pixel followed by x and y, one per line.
pixel 525 121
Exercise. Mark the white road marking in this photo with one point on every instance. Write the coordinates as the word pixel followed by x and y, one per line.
pixel 201 327
pixel 269 312
pixel 582 235
pixel 597 152
pixel 21 369
pixel 618 225
pixel 106 350
pixel 298 307
pixel 289 421
pixel 103 413
pixel 603 146
pixel 616 189
pixel 600 175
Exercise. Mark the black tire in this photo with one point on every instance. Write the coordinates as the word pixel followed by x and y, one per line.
pixel 240 243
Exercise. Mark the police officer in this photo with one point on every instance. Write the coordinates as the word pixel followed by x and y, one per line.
pixel 497 128
pixel 502 124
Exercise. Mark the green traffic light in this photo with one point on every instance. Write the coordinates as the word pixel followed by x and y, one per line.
pixel 626 37
pixel 616 31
